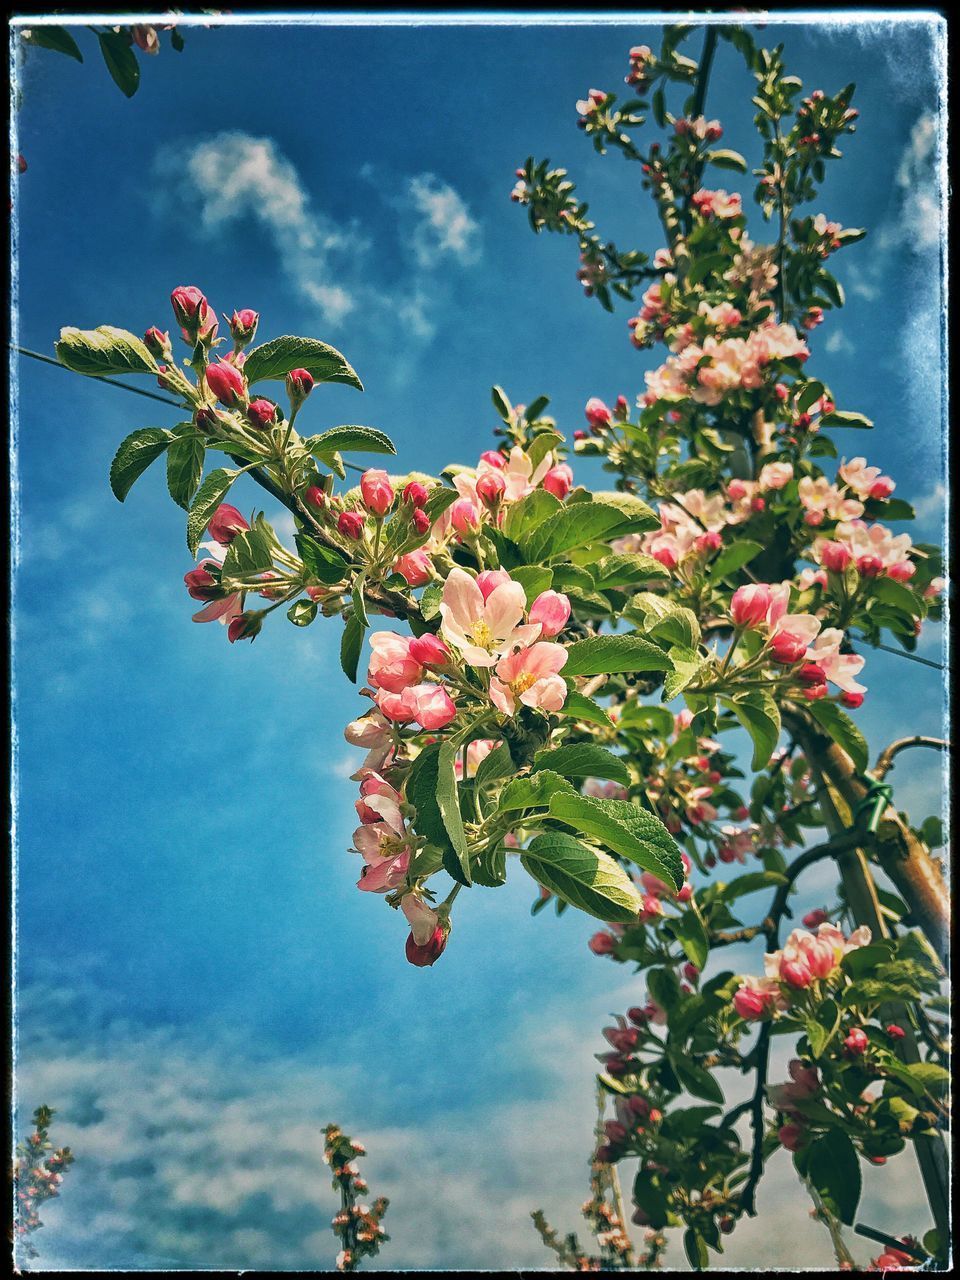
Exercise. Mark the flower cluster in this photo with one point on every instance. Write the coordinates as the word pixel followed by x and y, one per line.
pixel 805 960
pixel 356 1225
pixel 38 1175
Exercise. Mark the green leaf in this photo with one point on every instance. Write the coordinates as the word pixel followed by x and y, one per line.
pixel 533 579
pixel 834 1169
pixel 611 654
pixel 540 446
pixel 208 497
pixel 302 612
pixel 583 760
pixel 431 599
pixel 689 932
pixel 583 877
pixel 823 1026
pixel 104 350
pixel 922 1077
pixel 656 720
pixel 695 1248
pixel 326 564
pixel 701 267
pixel 686 666
pixel 524 516
pixel 275 359
pixel 695 1079
pixel 727 160
pixel 573 526
pixel 760 716
pixel 748 883
pixel 121 61
pixel 501 402
pixel 581 708
pixel 247 556
pixel 626 829
pixel 843 731
pixel 359 605
pixel 184 468
pixel 734 557
pixel 664 620
pixel 56 38
pixel 812 391
pixel 449 805
pixel 351 645
pixel 490 870
pixel 421 792
pixel 135 454
pixel 627 570
pixel 840 418
pixel 349 440
pixel 533 791
pixel 498 764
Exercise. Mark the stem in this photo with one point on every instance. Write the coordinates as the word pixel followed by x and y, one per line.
pixel 885 760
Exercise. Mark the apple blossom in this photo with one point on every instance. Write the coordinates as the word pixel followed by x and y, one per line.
pixel 530 676
pixel 484 629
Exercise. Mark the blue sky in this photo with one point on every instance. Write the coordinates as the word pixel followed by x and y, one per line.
pixel 199 978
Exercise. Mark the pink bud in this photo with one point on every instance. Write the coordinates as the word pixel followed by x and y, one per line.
pixel 490 488
pixel 856 1042
pixel 299 385
pixel 421 521
pixel 157 343
pixel 901 571
pixel 261 413
pixel 666 556
pixel 691 972
pixel 490 579
pixel 782 391
pixel 193 313
pixel 736 490
pixel 246 626
pixel 493 459
pixel 315 496
pixel 435 707
pixel 559 481
pixel 227 384
pixel 350 524
pixel 601 944
pixel 377 492
pixel 416 494
pixel 895 1031
pixel 811 673
pixel 813 518
pixel 201 584
pixel 796 973
pixel 465 517
pixel 787 649
pixel 429 650
pixel 748 1003
pixel 552 610
pixel 749 605
pixel 416 567
pixel 835 556
pixel 882 488
pixel 792 1136
pixel 226 523
pixel 707 542
pixel 685 893
pixel 430 952
pixel 597 414
pixel 815 917
pixel 869 566
pixel 851 700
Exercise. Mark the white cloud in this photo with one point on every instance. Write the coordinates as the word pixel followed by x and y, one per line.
pixel 932 505
pixel 230 177
pixel 445 225
pixel 838 343
pixel 920 222
pixel 189 1139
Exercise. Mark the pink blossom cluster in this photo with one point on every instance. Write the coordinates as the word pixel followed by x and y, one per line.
pixel 702 130
pixel 873 550
pixel 494 484
pixel 716 204
pixel 805 959
pixel 641 59
pixel 709 371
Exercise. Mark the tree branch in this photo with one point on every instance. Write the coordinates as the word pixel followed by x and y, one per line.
pixel 885 759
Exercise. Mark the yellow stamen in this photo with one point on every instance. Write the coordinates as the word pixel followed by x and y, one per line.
pixel 523 683
pixel 482 635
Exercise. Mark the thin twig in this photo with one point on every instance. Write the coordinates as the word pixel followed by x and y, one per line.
pixel 885 759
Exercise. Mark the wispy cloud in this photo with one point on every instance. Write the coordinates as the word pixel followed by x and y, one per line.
pixel 919 221
pixel 224 179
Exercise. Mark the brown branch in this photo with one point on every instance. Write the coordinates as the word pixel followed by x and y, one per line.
pixel 885 759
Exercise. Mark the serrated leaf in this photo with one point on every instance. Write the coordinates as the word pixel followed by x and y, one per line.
pixel 627 570
pixel 208 497
pixel 843 731
pixel 302 612
pixel 583 760
pixel 449 805
pixel 734 557
pixel 626 829
pixel 275 359
pixel 573 526
pixel 247 556
pixel 524 516
pixel 583 877
pixel 686 666
pixel 326 564
pixel 760 716
pixel 613 654
pixel 102 351
pixel 581 708
pixel 350 440
pixel 184 468
pixel 135 454
pixel 533 791
pixel 689 932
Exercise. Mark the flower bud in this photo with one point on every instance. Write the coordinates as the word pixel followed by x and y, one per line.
pixel 299 385
pixel 869 566
pixel 597 414
pixel 314 496
pixel 901 570
pixel 559 481
pixel 895 1032
pixel 552 610
pixel 465 518
pixel 787 649
pixel 227 384
pixel 490 489
pixel 493 458
pixel 244 627
pixel 792 1136
pixel 749 605
pixel 377 492
pixel 201 584
pixel 225 524
pixel 429 650
pixel 194 314
pixel 811 673
pixel 416 494
pixel 421 521
pixel 416 567
pixel 852 700
pixel 430 952
pixel 814 918
pixel 835 556
pixel 350 524
pixel 243 326
pixel 856 1042
pixel 158 343
pixel 602 944
pixel 882 488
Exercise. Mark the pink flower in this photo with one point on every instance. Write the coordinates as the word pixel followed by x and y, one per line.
pixel 423 920
pixel 698 807
pixel 415 567
pixel 598 414
pixel 261 413
pixel 376 491
pixel 299 384
pixel 386 873
pixel 856 1042
pixel 559 481
pixel 602 944
pixel 756 997
pixel 863 480
pixel 392 666
pixel 428 704
pixel 551 610
pixel 792 1136
pixel 835 556
pixel 839 668
pixel 477 751
pixel 484 629
pixel 464 517
pixel 429 651
pixel 227 384
pixel 749 605
pixel 775 475
pixel 489 579
pixel 530 676
pixel 429 952
pixel 225 524
pixel 243 326
pixel 379 802
pixel 371 732
pixel 350 524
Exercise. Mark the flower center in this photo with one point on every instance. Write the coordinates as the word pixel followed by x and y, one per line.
pixel 522 683
pixel 482 635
